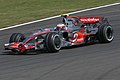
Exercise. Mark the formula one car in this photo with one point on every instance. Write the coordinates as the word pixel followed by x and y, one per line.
pixel 72 31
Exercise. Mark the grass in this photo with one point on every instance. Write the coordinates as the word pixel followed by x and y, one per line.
pixel 14 12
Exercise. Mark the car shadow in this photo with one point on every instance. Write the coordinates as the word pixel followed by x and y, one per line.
pixel 25 53
pixel 44 51
pixel 81 45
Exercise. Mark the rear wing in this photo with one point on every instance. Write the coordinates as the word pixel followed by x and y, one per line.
pixel 87 20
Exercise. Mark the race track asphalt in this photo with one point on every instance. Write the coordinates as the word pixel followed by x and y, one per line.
pixel 92 62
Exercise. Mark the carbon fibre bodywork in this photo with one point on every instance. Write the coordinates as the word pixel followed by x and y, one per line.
pixel 78 31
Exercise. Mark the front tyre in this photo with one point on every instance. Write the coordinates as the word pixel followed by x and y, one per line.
pixel 53 42
pixel 105 34
pixel 16 37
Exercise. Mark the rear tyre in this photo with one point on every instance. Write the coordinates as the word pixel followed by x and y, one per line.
pixel 105 34
pixel 16 37
pixel 53 42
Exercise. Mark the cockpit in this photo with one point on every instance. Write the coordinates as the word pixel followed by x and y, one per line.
pixel 71 22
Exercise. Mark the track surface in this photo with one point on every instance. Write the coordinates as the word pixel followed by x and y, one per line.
pixel 93 62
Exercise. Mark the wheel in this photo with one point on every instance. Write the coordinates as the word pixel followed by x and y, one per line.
pixel 16 37
pixel 105 34
pixel 53 42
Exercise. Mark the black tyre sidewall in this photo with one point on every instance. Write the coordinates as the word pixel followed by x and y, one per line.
pixel 19 38
pixel 16 37
pixel 50 45
pixel 105 33
pixel 102 34
pixel 12 38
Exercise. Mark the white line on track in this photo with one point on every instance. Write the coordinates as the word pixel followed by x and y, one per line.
pixel 59 16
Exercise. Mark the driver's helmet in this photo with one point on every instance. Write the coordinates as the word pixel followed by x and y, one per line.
pixel 61 27
pixel 64 15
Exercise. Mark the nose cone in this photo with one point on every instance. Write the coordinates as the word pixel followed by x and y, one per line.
pixel 15 45
pixel 11 46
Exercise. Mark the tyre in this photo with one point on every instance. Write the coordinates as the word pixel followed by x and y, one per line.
pixel 16 37
pixel 105 33
pixel 53 42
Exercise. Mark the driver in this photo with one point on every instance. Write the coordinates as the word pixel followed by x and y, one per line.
pixel 60 27
pixel 70 21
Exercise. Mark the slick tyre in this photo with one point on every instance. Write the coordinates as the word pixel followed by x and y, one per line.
pixel 53 42
pixel 16 37
pixel 105 34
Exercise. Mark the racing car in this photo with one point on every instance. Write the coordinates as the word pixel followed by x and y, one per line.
pixel 73 30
